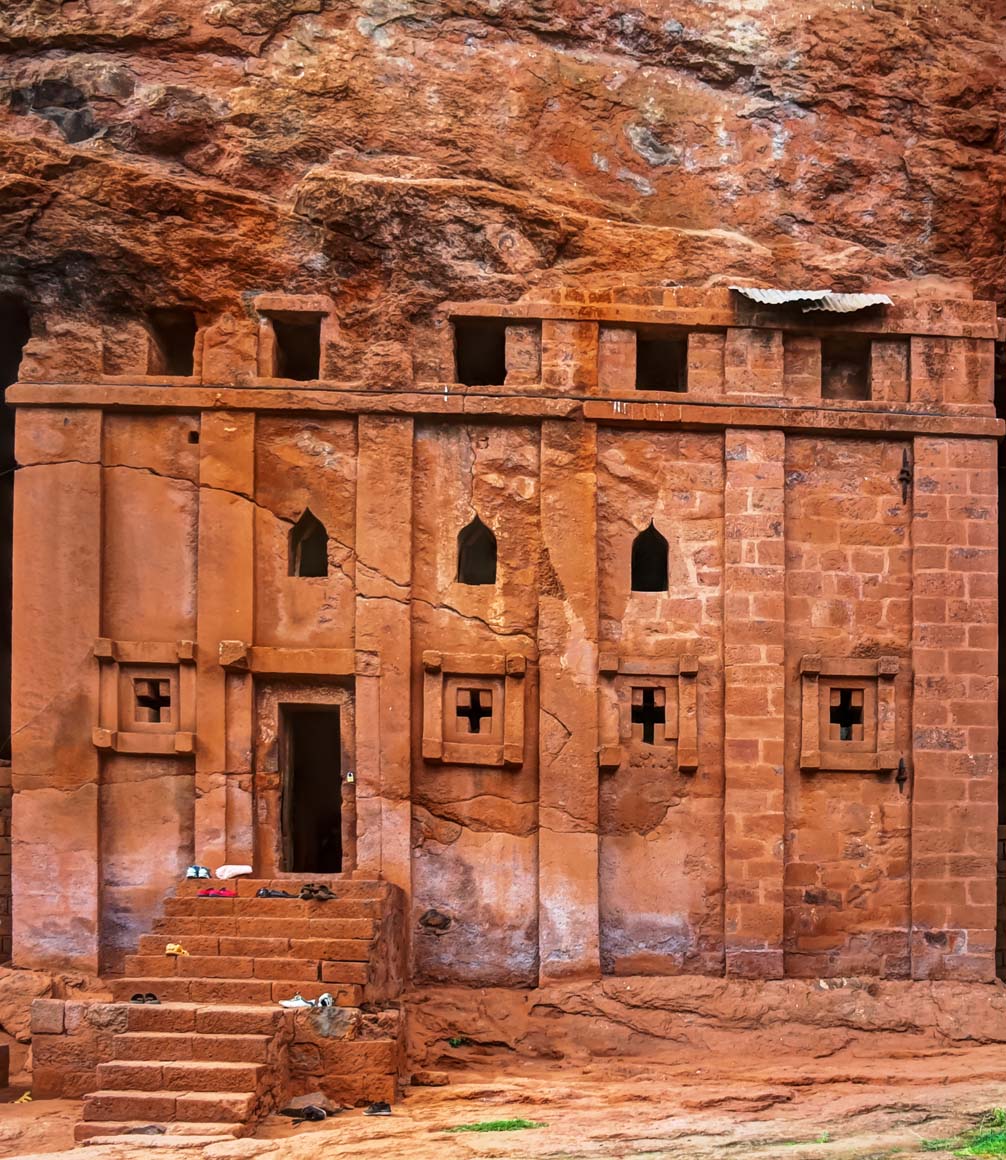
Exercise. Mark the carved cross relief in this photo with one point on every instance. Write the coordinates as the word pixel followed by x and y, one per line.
pixel 473 708
pixel 648 702
pixel 849 713
pixel 146 699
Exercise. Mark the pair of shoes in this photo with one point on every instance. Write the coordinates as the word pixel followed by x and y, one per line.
pixel 380 1108
pixel 175 949
pixel 217 892
pixel 313 892
pixel 197 872
pixel 147 998
pixel 298 1001
pixel 265 892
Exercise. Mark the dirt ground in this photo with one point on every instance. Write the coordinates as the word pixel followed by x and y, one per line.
pixel 852 1105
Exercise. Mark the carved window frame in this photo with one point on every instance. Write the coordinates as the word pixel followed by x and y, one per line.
pixel 120 663
pixel 678 679
pixel 877 751
pixel 443 674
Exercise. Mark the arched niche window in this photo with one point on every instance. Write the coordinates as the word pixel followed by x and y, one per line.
pixel 649 561
pixel 308 546
pixel 476 554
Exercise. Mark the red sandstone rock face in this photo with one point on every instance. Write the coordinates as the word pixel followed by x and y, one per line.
pixel 394 156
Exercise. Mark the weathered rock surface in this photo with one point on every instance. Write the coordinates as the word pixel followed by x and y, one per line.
pixel 394 154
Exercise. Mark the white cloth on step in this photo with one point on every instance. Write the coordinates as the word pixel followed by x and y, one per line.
pixel 232 871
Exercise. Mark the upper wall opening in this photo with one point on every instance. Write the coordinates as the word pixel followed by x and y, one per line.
pixel 661 359
pixel 172 346
pixel 480 351
pixel 845 366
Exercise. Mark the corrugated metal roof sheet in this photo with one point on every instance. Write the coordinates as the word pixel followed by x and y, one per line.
pixel 814 299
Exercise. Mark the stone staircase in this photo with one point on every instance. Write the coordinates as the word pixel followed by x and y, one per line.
pixel 211 1059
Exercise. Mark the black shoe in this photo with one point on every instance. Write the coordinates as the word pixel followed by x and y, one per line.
pixel 264 893
pixel 380 1108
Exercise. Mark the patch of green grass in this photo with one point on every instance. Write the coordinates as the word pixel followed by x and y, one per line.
pixel 986 1138
pixel 497 1126
pixel 458 1041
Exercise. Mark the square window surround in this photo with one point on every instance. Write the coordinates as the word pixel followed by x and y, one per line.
pixel 146 700
pixel 848 714
pixel 473 708
pixel 638 713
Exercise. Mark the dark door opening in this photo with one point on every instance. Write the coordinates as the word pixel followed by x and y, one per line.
pixel 312 790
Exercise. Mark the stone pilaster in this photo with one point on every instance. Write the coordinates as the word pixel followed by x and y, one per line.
pixel 754 672
pixel 954 736
pixel 56 853
pixel 225 612
pixel 383 627
pixel 567 643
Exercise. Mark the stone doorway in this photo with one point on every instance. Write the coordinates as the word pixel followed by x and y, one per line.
pixel 311 788
pixel 305 789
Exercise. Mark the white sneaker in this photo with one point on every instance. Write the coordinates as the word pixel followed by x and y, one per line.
pixel 325 1000
pixel 297 1001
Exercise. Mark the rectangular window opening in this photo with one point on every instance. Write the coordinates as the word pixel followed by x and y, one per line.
pixel 845 366
pixel 661 360
pixel 312 789
pixel 298 347
pixel 173 342
pixel 480 351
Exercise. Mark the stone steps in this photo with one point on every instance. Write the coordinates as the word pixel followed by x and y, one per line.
pixel 172 1046
pixel 200 1019
pixel 185 990
pixel 163 1107
pixel 212 1057
pixel 180 1135
pixel 186 1075
pixel 175 928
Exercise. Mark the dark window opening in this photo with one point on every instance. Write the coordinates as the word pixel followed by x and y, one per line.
pixel 476 554
pixel 308 546
pixel 153 700
pixel 846 714
pixel 173 345
pixel 661 361
pixel 474 707
pixel 480 351
pixel 648 711
pixel 193 436
pixel 649 561
pixel 298 348
pixel 14 333
pixel 845 367
pixel 312 790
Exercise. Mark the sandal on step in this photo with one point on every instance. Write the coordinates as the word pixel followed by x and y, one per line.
pixel 216 892
pixel 146 1130
pixel 380 1108
pixel 176 950
pixel 150 998
pixel 265 892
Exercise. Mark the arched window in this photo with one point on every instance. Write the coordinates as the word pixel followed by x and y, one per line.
pixel 308 546
pixel 649 561
pixel 476 554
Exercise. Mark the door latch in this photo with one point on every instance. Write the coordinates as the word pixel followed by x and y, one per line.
pixel 905 476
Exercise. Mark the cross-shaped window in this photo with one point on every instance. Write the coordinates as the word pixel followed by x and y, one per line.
pixel 153 700
pixel 846 714
pixel 648 710
pixel 475 706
